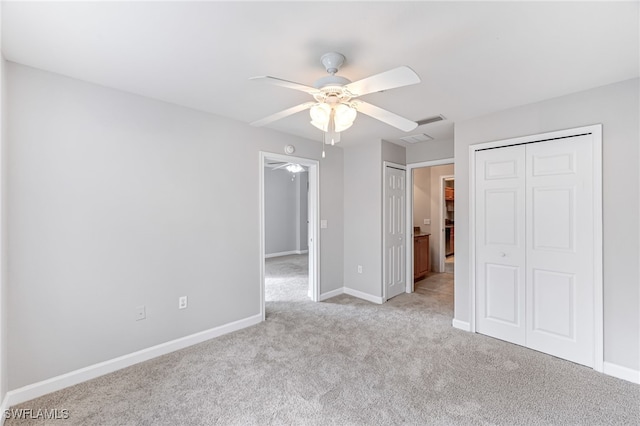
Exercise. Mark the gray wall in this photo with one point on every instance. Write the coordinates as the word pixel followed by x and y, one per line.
pixel 4 276
pixel 117 200
pixel 428 151
pixel 363 212
pixel 363 217
pixel 422 198
pixel 616 107
pixel 285 210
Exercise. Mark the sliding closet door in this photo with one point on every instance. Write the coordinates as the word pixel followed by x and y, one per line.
pixel 500 243
pixel 535 246
pixel 560 253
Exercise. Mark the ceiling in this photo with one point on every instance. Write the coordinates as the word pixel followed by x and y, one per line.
pixel 474 58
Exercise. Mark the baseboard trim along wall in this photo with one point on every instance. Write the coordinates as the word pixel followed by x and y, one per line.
pixel 332 293
pixel 3 407
pixel 621 372
pixel 285 253
pixel 364 296
pixel 461 325
pixel 53 384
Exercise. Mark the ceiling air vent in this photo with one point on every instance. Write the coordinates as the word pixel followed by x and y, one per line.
pixel 421 137
pixel 430 120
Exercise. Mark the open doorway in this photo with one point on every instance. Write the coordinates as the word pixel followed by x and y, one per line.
pixel 432 217
pixel 289 229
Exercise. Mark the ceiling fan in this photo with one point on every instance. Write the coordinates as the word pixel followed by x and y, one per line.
pixel 336 99
pixel 291 167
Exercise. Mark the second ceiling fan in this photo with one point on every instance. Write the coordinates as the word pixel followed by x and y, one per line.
pixel 336 99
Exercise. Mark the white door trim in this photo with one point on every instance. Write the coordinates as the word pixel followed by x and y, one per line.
pixel 409 213
pixel 314 223
pixel 386 164
pixel 443 233
pixel 596 131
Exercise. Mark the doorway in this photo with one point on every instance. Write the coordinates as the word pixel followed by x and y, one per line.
pixel 427 217
pixel 289 188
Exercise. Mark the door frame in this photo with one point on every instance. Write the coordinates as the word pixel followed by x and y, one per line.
pixel 443 233
pixel 409 212
pixel 313 208
pixel 385 165
pixel 598 308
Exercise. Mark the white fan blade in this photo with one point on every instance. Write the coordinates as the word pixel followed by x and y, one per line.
pixel 397 77
pixel 281 166
pixel 286 83
pixel 385 116
pixel 282 114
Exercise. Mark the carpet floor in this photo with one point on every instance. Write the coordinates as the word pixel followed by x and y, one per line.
pixel 346 361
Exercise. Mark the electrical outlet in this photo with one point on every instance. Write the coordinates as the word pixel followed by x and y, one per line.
pixel 140 313
pixel 182 302
pixel 427 221
pixel 359 269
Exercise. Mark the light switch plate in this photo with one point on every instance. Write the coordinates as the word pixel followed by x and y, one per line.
pixel 323 223
pixel 427 221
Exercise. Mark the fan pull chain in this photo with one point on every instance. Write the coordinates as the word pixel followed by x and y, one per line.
pixel 324 138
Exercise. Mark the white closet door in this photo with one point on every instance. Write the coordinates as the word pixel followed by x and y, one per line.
pixel 500 243
pixel 560 279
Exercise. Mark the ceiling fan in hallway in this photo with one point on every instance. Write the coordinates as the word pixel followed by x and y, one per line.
pixel 336 99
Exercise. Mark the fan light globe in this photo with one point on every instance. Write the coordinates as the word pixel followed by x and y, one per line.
pixel 344 115
pixel 320 114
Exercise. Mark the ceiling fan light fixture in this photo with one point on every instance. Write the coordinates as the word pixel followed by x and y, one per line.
pixel 344 115
pixel 294 168
pixel 320 114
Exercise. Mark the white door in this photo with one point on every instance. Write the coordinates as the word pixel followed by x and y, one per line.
pixel 560 252
pixel 394 232
pixel 500 243
pixel 535 246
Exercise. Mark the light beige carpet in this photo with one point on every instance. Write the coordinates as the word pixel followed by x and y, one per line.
pixel 349 362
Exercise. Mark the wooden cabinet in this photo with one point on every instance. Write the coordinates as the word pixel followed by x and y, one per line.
pixel 421 263
pixel 449 194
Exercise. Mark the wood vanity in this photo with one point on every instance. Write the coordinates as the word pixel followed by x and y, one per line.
pixel 421 257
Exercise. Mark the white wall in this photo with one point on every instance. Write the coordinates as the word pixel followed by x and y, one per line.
pixel 616 106
pixel 302 185
pixel 284 207
pixel 116 201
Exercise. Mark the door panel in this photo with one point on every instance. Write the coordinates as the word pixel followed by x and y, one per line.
pixel 394 232
pixel 560 253
pixel 500 248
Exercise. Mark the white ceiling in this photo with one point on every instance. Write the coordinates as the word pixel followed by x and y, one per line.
pixel 474 58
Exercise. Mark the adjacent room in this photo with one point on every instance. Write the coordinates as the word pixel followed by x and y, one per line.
pixel 319 212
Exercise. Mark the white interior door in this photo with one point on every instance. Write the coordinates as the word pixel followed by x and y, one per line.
pixel 560 248
pixel 500 243
pixel 394 232
pixel 535 246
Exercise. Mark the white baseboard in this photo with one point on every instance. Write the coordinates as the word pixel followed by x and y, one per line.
pixel 332 293
pixel 621 372
pixel 461 325
pixel 53 384
pixel 285 253
pixel 364 296
pixel 3 407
